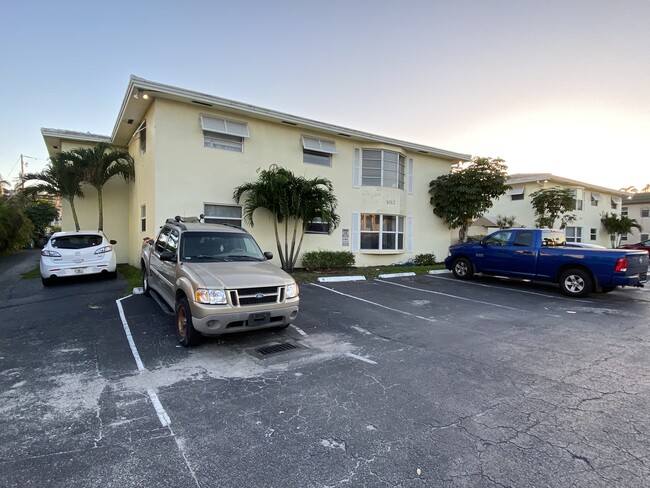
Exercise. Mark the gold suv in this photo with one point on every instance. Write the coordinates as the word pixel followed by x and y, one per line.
pixel 216 279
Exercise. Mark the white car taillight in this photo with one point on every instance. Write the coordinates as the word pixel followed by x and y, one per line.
pixel 50 254
pixel 104 249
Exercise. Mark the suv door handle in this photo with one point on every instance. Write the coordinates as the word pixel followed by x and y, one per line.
pixel 528 253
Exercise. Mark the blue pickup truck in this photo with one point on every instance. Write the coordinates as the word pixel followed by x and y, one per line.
pixel 544 255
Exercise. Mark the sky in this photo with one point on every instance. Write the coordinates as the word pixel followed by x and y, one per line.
pixel 550 86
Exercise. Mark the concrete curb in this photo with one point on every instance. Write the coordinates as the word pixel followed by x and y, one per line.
pixel 326 279
pixel 438 271
pixel 396 275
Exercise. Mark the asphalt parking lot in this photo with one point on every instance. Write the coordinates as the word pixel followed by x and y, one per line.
pixel 415 381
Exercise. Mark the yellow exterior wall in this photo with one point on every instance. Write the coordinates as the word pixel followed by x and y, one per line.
pixel 187 175
pixel 116 210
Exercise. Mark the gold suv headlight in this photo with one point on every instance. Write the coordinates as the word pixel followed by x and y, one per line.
pixel 211 297
pixel 292 290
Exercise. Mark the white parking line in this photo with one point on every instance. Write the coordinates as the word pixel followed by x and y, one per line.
pixel 428 319
pixel 375 303
pixel 361 358
pixel 509 289
pixel 480 302
pixel 160 411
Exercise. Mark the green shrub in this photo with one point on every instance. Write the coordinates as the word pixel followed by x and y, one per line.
pixel 324 260
pixel 427 259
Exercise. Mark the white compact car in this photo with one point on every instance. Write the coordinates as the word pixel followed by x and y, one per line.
pixel 78 253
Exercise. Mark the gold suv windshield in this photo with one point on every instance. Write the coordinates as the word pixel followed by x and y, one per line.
pixel 219 246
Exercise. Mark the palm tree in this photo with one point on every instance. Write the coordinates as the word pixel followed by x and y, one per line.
pixel 618 226
pixel 61 177
pixel 290 199
pixel 100 164
pixel 312 199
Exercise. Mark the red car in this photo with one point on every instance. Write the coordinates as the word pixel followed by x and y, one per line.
pixel 639 245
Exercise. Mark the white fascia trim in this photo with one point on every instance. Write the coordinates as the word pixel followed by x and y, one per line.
pixel 550 179
pixel 74 135
pixel 217 102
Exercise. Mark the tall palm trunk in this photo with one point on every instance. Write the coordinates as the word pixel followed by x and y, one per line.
pixel 278 244
pixel 100 202
pixel 74 214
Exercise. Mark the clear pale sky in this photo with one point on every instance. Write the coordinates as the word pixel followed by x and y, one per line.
pixel 549 86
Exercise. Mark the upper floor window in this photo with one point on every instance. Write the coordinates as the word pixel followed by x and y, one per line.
pixel 223 134
pixel 382 232
pixel 516 193
pixel 616 201
pixel 382 168
pixel 624 211
pixel 595 198
pixel 645 212
pixel 222 214
pixel 142 130
pixel 579 195
pixel 317 151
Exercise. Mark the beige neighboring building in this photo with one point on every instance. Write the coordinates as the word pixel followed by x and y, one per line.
pixel 192 149
pixel 591 204
pixel 637 207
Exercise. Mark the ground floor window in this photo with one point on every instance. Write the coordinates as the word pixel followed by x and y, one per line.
pixel 382 232
pixel 143 218
pixel 222 214
pixel 593 234
pixel 317 226
pixel 573 234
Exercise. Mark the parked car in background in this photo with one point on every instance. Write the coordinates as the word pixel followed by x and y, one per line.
pixel 77 253
pixel 637 245
pixel 542 255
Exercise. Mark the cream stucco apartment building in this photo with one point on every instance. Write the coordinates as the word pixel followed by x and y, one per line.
pixel 591 203
pixel 192 149
pixel 637 207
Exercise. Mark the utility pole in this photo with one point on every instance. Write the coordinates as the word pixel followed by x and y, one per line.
pixel 23 163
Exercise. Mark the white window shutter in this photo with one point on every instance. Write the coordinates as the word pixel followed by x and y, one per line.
pixel 356 170
pixel 409 234
pixel 409 187
pixel 356 236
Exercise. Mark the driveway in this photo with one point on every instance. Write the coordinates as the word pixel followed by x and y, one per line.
pixel 422 381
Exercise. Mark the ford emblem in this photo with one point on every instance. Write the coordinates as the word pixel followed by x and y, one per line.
pixel 259 296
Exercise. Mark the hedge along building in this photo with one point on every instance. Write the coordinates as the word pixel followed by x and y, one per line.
pixel 192 149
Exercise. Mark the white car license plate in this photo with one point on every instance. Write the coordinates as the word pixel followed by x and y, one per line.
pixel 79 270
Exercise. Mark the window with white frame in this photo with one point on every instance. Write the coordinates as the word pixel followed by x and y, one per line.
pixel 624 211
pixel 143 136
pixel 317 226
pixel 224 134
pixel 317 151
pixel 645 212
pixel 214 213
pixel 595 198
pixel 573 234
pixel 616 201
pixel 579 195
pixel 143 218
pixel 382 232
pixel 382 168
pixel 624 237
pixel 593 234
pixel 645 237
pixel 516 193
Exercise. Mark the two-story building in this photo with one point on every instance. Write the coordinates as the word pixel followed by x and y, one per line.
pixel 592 202
pixel 192 149
pixel 637 207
